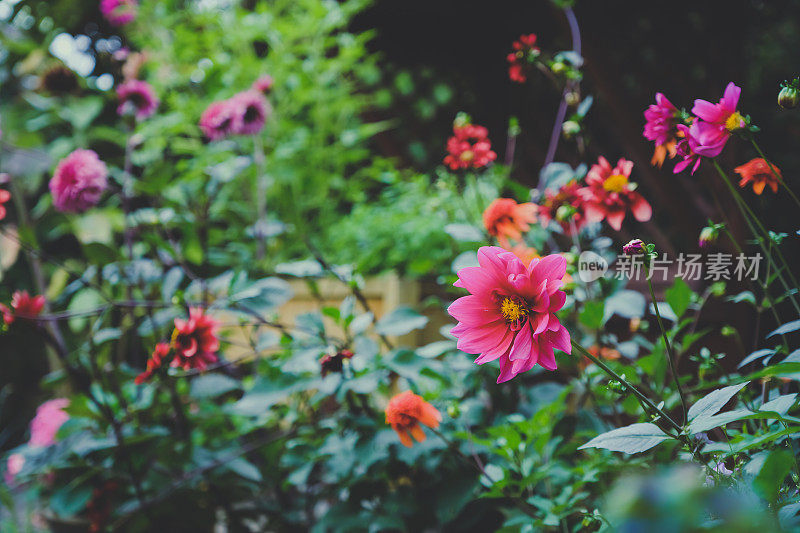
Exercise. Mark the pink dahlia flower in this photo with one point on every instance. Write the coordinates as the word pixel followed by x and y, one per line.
pixel 716 122
pixel 661 120
pixel 251 111
pixel 138 97
pixel 217 121
pixel 609 195
pixel 50 416
pixel 264 84
pixel 119 12
pixel 14 466
pixel 79 180
pixel 510 312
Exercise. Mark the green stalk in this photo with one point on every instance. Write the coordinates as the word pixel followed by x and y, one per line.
pixel 622 381
pixel 670 354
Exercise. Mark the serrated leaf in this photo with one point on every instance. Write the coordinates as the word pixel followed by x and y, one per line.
pixel 714 401
pixel 635 438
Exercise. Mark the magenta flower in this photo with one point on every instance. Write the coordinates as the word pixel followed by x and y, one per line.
pixel 686 148
pixel 79 180
pixel 119 12
pixel 14 466
pixel 661 120
pixel 217 121
pixel 716 122
pixel 136 96
pixel 264 84
pixel 50 416
pixel 510 312
pixel 251 111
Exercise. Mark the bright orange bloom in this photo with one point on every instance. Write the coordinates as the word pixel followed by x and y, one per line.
pixel 505 218
pixel 757 171
pixel 406 411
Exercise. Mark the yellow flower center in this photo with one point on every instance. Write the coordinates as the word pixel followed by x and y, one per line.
pixel 467 155
pixel 512 310
pixel 734 122
pixel 615 183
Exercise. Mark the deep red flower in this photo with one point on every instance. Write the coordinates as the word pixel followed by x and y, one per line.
pixel 195 341
pixel 758 172
pixel 469 147
pixel 155 362
pixel 406 411
pixel 5 196
pixel 506 219
pixel 565 206
pixel 525 51
pixel 609 194
pixel 22 306
pixel 334 363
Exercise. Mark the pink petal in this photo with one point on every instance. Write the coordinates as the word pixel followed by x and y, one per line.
pixel 557 300
pixel 539 322
pixel 521 348
pixel 615 219
pixel 473 310
pixel 552 266
pixel 482 339
pixel 707 111
pixel 641 209
pixel 498 351
pixel 561 340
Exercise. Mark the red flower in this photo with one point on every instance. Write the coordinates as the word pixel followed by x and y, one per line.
pixel 195 341
pixel 523 55
pixel 334 363
pixel 609 195
pixel 469 147
pixel 5 196
pixel 406 411
pixel 154 363
pixel 505 218
pixel 22 306
pixel 564 206
pixel 758 172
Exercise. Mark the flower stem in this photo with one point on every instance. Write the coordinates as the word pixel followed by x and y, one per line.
pixel 670 354
pixel 752 221
pixel 622 381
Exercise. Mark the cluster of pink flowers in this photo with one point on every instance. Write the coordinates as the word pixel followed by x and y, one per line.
pixel 608 195
pixel 78 182
pixel 136 97
pixel 119 12
pixel 702 135
pixel 469 147
pixel 510 313
pixel 525 51
pixel 23 305
pixel 50 416
pixel 5 196
pixel 243 114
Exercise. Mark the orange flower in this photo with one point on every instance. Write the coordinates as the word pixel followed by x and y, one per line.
pixel 406 411
pixel 757 171
pixel 601 352
pixel 505 218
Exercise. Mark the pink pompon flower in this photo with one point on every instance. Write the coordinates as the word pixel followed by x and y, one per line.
pixel 217 121
pixel 119 12
pixel 510 312
pixel 469 147
pixel 609 195
pixel 22 306
pixel 195 341
pixel 264 84
pixel 251 111
pixel 78 182
pixel 137 97
pixel 14 466
pixel 50 416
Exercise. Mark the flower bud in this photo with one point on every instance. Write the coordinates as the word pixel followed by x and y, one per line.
pixel 789 97
pixel 708 236
pixel 564 213
pixel 570 128
pixel 634 247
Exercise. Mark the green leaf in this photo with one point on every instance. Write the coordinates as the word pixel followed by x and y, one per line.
pixel 400 321
pixel 744 296
pixel 775 469
pixel 711 421
pixel 789 327
pixel 245 468
pixel 212 385
pixel 71 499
pixel 758 354
pixel 714 401
pixel 679 296
pixel 629 439
pixel 780 405
pixel 592 314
